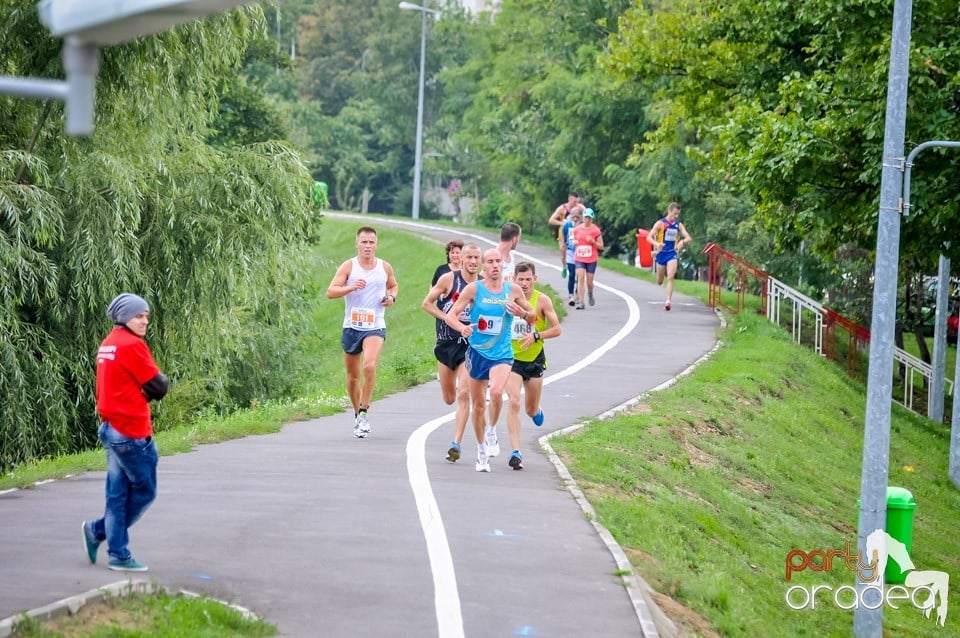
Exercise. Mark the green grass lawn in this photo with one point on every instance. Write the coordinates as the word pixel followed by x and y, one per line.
pixel 711 483
pixel 158 615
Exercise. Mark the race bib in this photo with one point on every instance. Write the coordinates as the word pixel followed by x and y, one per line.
pixel 362 318
pixel 671 234
pixel 584 251
pixel 520 329
pixel 487 325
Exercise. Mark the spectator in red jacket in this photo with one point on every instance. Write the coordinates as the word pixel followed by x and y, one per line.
pixel 127 379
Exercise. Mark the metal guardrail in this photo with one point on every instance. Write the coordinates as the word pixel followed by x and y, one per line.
pixel 775 294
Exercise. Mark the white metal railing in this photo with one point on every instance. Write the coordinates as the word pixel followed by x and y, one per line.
pixel 778 292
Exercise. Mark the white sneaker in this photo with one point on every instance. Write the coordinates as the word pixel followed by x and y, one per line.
pixel 363 423
pixel 493 445
pixel 361 427
pixel 483 463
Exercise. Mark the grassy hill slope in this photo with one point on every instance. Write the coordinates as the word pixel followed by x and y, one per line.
pixel 708 486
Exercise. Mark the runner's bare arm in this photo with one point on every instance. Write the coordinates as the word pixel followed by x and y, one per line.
pixel 556 219
pixel 452 318
pixel 518 305
pixel 441 289
pixel 338 287
pixel 392 287
pixel 686 237
pixel 652 236
pixel 545 309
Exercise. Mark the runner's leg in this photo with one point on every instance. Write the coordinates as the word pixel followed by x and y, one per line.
pixel 353 363
pixel 671 269
pixel 514 383
pixel 371 355
pixel 463 403
pixel 448 383
pixel 534 390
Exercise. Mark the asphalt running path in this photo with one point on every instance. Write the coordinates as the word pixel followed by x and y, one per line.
pixel 325 535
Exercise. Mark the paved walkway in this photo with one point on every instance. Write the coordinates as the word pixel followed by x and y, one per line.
pixel 326 535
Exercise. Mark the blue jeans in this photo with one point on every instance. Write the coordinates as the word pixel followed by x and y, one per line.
pixel 571 276
pixel 131 487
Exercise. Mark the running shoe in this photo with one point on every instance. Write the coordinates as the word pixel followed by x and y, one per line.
pixel 516 460
pixel 453 454
pixel 590 298
pixel 538 418
pixel 483 463
pixel 363 423
pixel 493 445
pixel 580 306
pixel 357 432
pixel 571 301
pixel 666 306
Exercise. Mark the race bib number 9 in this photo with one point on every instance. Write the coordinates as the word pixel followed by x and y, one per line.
pixel 362 318
pixel 489 325
pixel 584 251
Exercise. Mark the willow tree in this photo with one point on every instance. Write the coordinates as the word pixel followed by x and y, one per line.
pixel 144 205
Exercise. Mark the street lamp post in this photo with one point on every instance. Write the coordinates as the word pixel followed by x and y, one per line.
pixel 418 161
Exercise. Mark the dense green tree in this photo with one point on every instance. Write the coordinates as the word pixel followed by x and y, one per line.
pixel 144 205
pixel 787 100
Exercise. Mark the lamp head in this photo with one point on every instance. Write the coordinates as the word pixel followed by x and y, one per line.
pixel 103 22
pixel 416 7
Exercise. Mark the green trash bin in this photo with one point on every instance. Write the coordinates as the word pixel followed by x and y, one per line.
pixel 900 508
pixel 899 525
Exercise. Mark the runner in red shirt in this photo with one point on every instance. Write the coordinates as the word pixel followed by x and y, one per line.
pixel 589 242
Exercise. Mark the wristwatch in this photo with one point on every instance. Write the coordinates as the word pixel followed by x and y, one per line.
pixel 536 336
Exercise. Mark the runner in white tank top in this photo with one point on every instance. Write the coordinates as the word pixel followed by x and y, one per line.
pixel 368 287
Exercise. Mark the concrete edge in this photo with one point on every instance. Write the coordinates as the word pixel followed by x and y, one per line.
pixel 653 621
pixel 71 605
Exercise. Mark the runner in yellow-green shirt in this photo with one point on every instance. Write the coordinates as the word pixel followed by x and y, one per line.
pixel 529 360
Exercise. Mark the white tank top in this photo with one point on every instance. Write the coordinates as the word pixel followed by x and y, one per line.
pixel 509 268
pixel 363 310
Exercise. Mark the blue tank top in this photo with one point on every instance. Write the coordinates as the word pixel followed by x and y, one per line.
pixel 671 231
pixel 492 324
pixel 444 332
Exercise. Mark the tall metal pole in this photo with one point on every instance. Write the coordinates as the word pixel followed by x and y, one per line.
pixel 418 161
pixel 937 381
pixel 867 618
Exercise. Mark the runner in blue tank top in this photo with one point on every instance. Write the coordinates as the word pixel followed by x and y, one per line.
pixel 665 237
pixel 490 355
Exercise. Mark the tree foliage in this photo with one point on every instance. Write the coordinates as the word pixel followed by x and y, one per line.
pixel 144 205
pixel 787 102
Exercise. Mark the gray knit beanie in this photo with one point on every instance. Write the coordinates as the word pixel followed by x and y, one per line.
pixel 126 306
